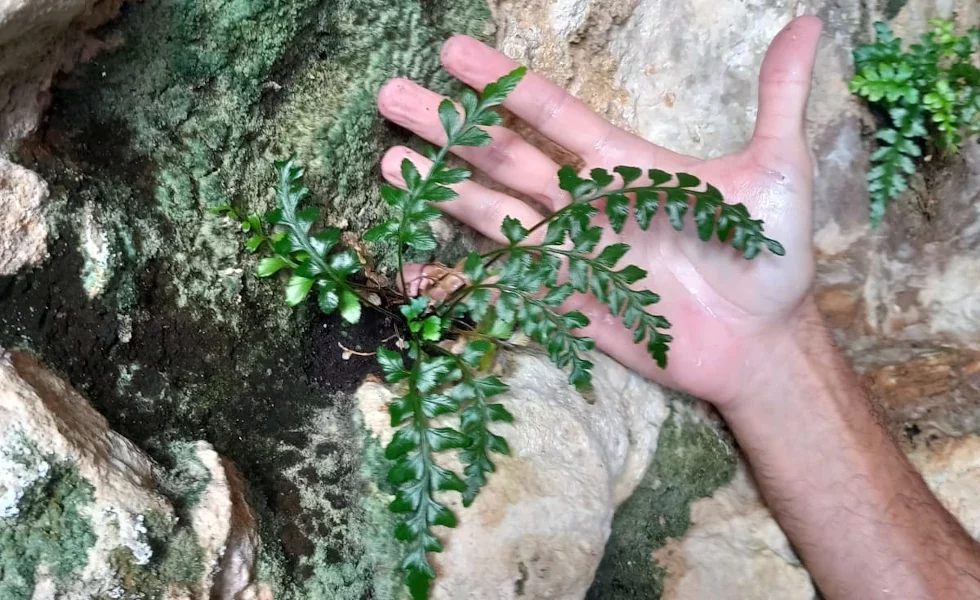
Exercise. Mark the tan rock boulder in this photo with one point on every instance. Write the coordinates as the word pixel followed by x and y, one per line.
pixel 538 529
pixel 23 232
pixel 734 548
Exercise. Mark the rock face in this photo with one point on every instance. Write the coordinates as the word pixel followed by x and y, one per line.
pixel 734 549
pixel 538 529
pixel 22 195
pixel 903 300
pixel 82 513
pixel 147 304
pixel 38 39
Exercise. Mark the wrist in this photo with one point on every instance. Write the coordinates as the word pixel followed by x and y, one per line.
pixel 782 359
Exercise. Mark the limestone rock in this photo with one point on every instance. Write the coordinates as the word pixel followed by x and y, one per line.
pixel 225 528
pixel 48 427
pixel 38 39
pixel 87 514
pixel 539 527
pixel 951 469
pixel 684 75
pixel 735 549
pixel 690 68
pixel 568 42
pixel 23 233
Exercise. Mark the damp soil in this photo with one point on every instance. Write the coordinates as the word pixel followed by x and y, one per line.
pixel 135 368
pixel 340 356
pixel 249 408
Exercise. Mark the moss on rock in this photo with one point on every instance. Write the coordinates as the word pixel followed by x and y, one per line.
pixel 182 477
pixel 176 562
pixel 190 111
pixel 47 529
pixel 693 459
pixel 336 497
pixel 147 304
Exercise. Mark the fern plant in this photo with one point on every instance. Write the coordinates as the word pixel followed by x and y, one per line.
pixel 518 285
pixel 929 92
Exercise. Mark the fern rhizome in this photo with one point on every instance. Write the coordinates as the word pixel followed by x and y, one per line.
pixel 932 92
pixel 519 285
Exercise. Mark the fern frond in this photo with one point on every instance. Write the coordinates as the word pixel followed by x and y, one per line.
pixel 935 86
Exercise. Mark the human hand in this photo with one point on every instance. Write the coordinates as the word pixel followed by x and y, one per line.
pixel 724 310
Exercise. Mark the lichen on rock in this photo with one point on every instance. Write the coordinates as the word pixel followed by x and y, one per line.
pixel 44 527
pixel 85 514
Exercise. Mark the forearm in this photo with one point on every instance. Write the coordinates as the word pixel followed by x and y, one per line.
pixel 861 518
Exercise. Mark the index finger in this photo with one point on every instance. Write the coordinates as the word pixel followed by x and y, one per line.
pixel 545 106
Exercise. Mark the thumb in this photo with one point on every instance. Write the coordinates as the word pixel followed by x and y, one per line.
pixel 784 86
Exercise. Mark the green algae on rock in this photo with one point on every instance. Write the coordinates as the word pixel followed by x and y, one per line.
pixel 693 459
pixel 166 334
pixel 43 524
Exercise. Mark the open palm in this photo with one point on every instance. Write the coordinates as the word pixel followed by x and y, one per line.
pixel 721 306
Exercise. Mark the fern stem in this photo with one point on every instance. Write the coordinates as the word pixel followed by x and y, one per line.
pixel 421 422
pixel 413 195
pixel 560 251
pixel 598 195
pixel 548 310
pixel 458 296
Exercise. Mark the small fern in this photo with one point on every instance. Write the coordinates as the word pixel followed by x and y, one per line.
pixel 933 87
pixel 517 286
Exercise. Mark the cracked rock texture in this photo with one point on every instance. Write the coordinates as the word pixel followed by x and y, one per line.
pixel 83 513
